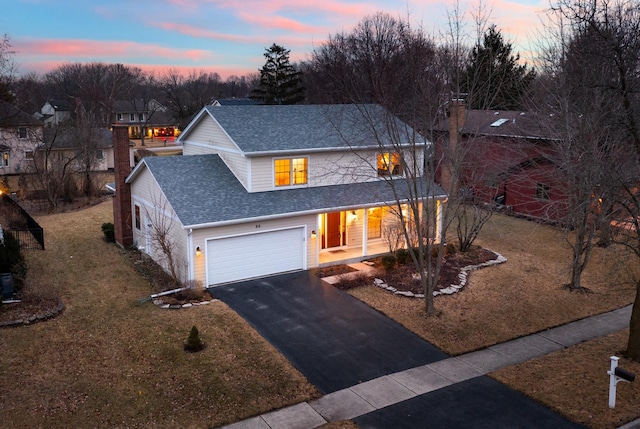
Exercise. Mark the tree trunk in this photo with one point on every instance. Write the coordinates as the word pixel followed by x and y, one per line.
pixel 633 346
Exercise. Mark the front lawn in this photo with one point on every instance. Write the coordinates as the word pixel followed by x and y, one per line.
pixel 108 361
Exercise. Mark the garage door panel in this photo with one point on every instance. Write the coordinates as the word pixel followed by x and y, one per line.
pixel 254 255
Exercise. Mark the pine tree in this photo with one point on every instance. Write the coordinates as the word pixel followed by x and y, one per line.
pixel 280 82
pixel 494 79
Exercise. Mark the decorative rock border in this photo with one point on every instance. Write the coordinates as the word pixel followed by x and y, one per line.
pixel 160 303
pixel 462 280
pixel 39 317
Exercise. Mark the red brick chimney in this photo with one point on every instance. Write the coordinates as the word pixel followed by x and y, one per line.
pixel 122 200
pixel 450 162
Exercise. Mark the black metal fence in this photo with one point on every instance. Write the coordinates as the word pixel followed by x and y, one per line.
pixel 23 227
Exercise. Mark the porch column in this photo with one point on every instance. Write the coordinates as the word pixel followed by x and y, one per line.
pixel 365 233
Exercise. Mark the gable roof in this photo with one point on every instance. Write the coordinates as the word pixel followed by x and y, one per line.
pixel 289 128
pixel 66 138
pixel 515 124
pixel 202 191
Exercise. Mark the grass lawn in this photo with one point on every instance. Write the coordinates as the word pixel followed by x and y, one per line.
pixel 109 361
pixel 524 296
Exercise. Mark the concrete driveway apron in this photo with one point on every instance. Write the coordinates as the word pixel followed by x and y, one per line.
pixel 332 338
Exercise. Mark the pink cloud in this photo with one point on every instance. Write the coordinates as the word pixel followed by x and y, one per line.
pixel 201 33
pixel 280 23
pixel 83 49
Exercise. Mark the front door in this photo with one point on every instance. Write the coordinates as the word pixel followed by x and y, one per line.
pixel 333 235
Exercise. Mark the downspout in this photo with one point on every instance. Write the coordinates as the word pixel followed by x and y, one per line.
pixel 190 252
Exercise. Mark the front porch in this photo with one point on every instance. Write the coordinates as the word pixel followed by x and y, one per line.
pixel 350 255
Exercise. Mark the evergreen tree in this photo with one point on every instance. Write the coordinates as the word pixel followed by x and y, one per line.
pixel 494 79
pixel 280 82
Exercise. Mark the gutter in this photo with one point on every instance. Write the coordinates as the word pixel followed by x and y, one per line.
pixel 308 212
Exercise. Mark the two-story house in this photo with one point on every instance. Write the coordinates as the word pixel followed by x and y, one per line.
pixel 261 190
pixel 20 134
pixel 507 158
pixel 146 119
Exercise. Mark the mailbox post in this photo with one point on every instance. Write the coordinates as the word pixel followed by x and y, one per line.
pixel 615 375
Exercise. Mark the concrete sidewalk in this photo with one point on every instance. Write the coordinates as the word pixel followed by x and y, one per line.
pixel 394 388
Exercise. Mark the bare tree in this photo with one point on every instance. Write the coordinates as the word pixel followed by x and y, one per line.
pixel 603 35
pixel 163 241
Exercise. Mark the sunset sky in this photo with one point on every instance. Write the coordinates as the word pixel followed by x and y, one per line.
pixel 224 36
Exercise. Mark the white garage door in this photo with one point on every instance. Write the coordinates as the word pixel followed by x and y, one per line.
pixel 254 255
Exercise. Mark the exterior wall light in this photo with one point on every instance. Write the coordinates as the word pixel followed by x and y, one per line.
pixel 198 251
pixel 313 234
pixel 353 216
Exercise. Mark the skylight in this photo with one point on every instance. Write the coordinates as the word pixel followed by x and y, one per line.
pixel 499 122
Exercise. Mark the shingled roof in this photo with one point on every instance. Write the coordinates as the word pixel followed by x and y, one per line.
pixel 206 192
pixel 515 124
pixel 292 128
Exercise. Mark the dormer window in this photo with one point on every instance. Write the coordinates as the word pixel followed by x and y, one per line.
pixel 290 171
pixel 389 164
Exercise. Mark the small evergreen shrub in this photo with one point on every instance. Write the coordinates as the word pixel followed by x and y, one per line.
pixel 402 256
pixel 194 343
pixel 109 232
pixel 389 262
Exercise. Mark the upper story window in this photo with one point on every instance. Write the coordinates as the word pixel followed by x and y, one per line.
pixel 141 116
pixel 119 117
pixel 290 171
pixel 99 154
pixel 22 132
pixel 389 164
pixel 543 191
pixel 5 159
pixel 132 117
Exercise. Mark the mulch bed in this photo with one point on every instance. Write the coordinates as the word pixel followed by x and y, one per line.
pixel 405 277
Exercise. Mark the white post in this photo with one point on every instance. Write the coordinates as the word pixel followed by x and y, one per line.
pixel 613 381
pixel 438 221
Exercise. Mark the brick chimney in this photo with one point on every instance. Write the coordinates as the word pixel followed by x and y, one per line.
pixel 122 200
pixel 450 162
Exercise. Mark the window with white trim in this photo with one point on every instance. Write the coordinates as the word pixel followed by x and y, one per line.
pixel 290 171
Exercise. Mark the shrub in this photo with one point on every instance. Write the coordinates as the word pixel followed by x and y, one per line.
pixel 449 249
pixel 11 260
pixel 194 343
pixel 388 262
pixel 402 256
pixel 109 232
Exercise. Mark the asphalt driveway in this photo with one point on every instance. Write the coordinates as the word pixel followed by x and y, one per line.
pixel 335 340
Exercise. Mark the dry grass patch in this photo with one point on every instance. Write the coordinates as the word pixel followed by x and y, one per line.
pixel 109 361
pixel 574 382
pixel 522 296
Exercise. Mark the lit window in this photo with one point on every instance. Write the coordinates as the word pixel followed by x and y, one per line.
pixel 290 171
pixel 5 159
pixel 389 164
pixel 374 223
pixel 543 192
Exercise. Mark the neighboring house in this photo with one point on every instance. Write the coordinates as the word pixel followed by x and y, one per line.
pixel 54 112
pixel 235 102
pixel 148 117
pixel 63 141
pixel 20 133
pixel 268 189
pixel 509 160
